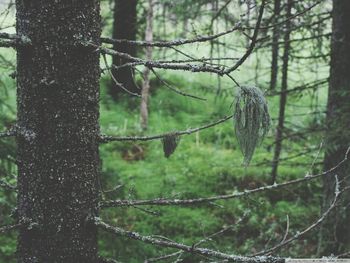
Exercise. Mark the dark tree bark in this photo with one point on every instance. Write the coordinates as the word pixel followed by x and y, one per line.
pixel 335 232
pixel 124 27
pixel 284 88
pixel 58 159
pixel 275 45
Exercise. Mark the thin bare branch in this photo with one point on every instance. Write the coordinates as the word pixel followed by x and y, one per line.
pixel 8 43
pixel 106 138
pixel 11 40
pixel 291 17
pixel 174 89
pixel 5 185
pixel 179 61
pixel 189 202
pixel 107 260
pixel 253 41
pixel 344 255
pixel 199 39
pixel 309 228
pixel 157 64
pixel 206 239
pixel 8 36
pixel 5 229
pixel 177 42
pixel 115 80
pixel 9 133
pixel 189 249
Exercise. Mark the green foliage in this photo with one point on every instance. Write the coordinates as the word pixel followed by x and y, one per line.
pixel 204 164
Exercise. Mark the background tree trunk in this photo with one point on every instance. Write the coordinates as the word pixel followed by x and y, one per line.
pixel 124 27
pixel 146 72
pixel 335 232
pixel 275 45
pixel 58 112
pixel 283 98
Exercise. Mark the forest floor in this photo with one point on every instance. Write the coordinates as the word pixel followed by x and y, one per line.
pixel 205 164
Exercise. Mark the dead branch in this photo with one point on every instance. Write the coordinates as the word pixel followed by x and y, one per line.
pixel 106 138
pixel 206 239
pixel 5 229
pixel 189 249
pixel 189 202
pixel 115 80
pixel 5 185
pixel 9 133
pixel 174 89
pixel 177 42
pixel 253 40
pixel 12 40
pixel 309 228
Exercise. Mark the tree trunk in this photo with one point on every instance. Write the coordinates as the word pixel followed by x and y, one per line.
pixel 275 45
pixel 283 98
pixel 335 232
pixel 124 27
pixel 58 112
pixel 146 73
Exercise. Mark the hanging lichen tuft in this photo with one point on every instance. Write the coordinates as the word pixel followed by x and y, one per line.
pixel 170 142
pixel 251 120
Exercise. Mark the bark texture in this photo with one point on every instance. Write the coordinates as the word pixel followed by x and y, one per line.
pixel 124 27
pixel 335 232
pixel 58 160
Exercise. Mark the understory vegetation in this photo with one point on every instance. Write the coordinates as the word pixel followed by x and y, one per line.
pixel 206 163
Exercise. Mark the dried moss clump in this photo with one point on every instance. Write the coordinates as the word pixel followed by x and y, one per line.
pixel 251 120
pixel 170 142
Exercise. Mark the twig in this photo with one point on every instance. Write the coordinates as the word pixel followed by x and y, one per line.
pixel 253 41
pixel 7 186
pixel 174 89
pixel 11 40
pixel 107 260
pixel 189 249
pixel 346 254
pixel 174 61
pixel 173 43
pixel 8 43
pixel 287 230
pixel 309 228
pixel 106 138
pixel 180 42
pixel 115 80
pixel 156 64
pixel 5 229
pixel 199 242
pixel 289 18
pixel 8 36
pixel 9 133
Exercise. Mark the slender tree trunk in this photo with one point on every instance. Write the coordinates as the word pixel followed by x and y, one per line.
pixel 124 27
pixel 58 159
pixel 247 22
pixel 146 73
pixel 275 45
pixel 335 232
pixel 283 98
